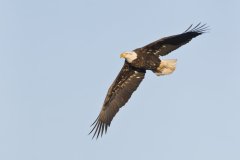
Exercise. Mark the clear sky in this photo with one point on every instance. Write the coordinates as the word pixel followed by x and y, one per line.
pixel 58 58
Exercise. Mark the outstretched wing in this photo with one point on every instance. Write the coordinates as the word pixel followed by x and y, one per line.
pixel 118 94
pixel 166 45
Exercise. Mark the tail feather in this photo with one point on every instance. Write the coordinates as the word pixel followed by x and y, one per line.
pixel 166 67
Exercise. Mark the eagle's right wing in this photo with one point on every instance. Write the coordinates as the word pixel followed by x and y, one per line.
pixel 166 45
pixel 118 94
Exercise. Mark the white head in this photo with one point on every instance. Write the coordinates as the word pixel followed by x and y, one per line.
pixel 129 56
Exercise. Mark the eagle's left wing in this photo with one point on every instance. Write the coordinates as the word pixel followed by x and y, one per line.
pixel 166 45
pixel 118 94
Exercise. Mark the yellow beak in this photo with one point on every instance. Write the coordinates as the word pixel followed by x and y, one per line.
pixel 122 55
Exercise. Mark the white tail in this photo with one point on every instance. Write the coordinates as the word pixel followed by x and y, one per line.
pixel 166 67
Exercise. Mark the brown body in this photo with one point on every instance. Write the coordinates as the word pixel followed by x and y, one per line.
pixel 147 61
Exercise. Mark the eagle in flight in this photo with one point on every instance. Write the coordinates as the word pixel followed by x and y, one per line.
pixel 134 69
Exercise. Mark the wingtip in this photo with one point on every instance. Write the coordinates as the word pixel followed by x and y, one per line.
pixel 99 128
pixel 199 28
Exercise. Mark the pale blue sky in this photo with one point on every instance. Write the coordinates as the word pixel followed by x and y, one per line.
pixel 58 58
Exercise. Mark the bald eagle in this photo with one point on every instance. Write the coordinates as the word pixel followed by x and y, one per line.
pixel 134 69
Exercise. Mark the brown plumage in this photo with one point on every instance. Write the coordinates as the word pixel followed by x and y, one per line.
pixel 133 72
pixel 118 94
